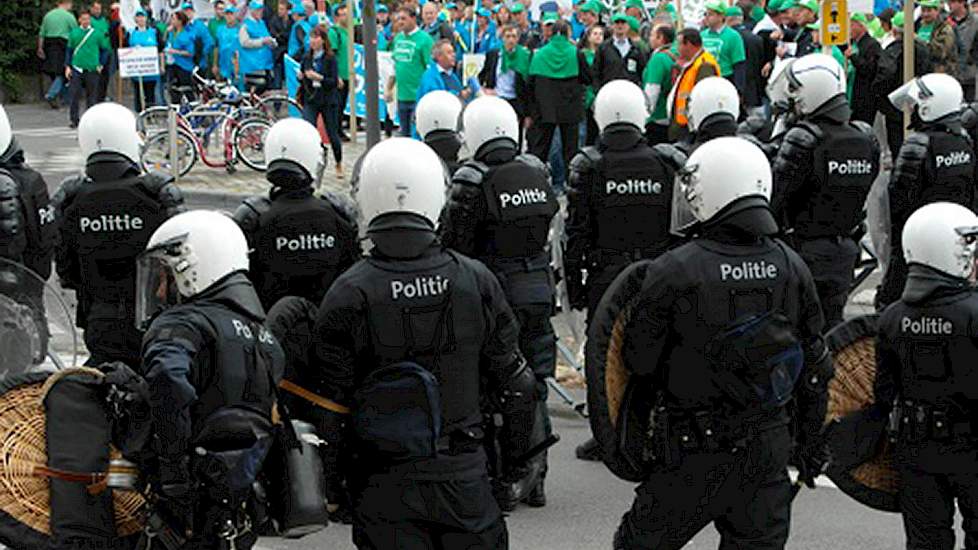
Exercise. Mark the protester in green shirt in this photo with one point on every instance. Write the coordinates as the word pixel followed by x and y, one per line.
pixel 657 83
pixel 52 41
pixel 83 63
pixel 338 40
pixel 724 44
pixel 411 50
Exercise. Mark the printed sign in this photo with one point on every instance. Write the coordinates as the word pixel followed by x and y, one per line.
pixel 139 62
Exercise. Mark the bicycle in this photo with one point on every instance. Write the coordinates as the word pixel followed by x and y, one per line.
pixel 240 140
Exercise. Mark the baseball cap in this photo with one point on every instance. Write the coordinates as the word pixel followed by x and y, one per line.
pixel 735 11
pixel 517 8
pixel 549 17
pixel 298 9
pixel 451 6
pixel 590 7
pixel 787 5
pixel 634 4
pixel 618 17
pixel 810 5
pixel 717 6
pixel 929 3
pixel 382 8
pixel 861 17
pixel 187 6
pixel 230 9
pixel 633 23
pixel 897 20
pixel 256 5
pixel 483 12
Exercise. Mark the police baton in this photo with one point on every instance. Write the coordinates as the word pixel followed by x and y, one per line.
pixel 537 449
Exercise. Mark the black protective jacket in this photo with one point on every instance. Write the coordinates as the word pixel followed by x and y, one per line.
pixel 610 65
pixel 34 241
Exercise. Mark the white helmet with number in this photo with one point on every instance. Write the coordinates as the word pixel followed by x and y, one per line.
pixel 813 80
pixel 935 96
pixel 712 96
pixel 401 175
pixel 718 173
pixel 185 256
pixel 437 110
pixel 486 119
pixel 6 133
pixel 620 101
pixel 109 128
pixel 296 141
pixel 942 235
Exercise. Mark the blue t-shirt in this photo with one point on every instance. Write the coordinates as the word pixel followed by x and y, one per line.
pixel 146 38
pixel 227 46
pixel 183 40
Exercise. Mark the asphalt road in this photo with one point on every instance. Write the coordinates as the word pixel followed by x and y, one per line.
pixel 585 500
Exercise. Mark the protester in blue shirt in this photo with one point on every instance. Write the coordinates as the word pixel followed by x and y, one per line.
pixel 228 46
pixel 485 34
pixel 385 32
pixel 256 58
pixel 203 42
pixel 441 74
pixel 144 36
pixel 180 50
pixel 299 35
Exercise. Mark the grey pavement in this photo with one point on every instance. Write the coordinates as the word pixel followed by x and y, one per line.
pixel 585 500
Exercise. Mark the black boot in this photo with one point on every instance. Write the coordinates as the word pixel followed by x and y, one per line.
pixel 537 497
pixel 589 450
pixel 506 496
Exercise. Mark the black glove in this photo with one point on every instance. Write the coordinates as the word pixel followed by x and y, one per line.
pixel 811 458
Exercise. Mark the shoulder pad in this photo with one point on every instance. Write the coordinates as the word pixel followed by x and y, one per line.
pixel 68 189
pixel 862 127
pixel 250 211
pixel 470 173
pixel 673 156
pixel 586 159
pixel 915 146
pixel 751 126
pixel 155 181
pixel 969 115
pixel 803 135
pixel 164 189
pixel 344 206
pixel 9 188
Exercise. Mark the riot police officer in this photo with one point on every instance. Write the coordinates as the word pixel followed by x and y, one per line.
pixel 714 106
pixel 822 174
pixel 299 242
pixel 925 353
pixel 106 217
pixel 212 370
pixel 768 133
pixel 499 211
pixel 619 202
pixel 436 118
pixel 431 323
pixel 935 163
pixel 721 429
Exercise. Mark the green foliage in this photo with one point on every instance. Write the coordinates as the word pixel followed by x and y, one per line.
pixel 21 20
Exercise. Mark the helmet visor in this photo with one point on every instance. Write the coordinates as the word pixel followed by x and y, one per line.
pixel 684 192
pixel 906 96
pixel 156 283
pixel 969 235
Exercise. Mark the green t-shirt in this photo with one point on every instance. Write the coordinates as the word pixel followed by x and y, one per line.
pixel 101 24
pixel 925 31
pixel 659 71
pixel 58 23
pixel 411 54
pixel 338 40
pixel 215 25
pixel 85 52
pixel 726 46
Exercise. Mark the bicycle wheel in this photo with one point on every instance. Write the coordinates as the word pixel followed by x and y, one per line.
pixel 275 107
pixel 249 143
pixel 152 120
pixel 156 152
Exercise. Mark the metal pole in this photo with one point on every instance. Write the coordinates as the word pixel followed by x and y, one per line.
pixel 908 55
pixel 352 101
pixel 142 94
pixel 371 72
pixel 171 121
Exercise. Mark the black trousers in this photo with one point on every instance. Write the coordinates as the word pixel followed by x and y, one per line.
pixel 428 515
pixel 111 335
pixel 894 135
pixel 894 279
pixel 832 262
pixel 927 503
pixel 331 121
pixel 87 81
pixel 344 99
pixel 746 495
pixel 540 134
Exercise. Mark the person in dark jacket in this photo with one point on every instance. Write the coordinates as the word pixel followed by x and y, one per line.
pixel 320 91
pixel 753 92
pixel 864 54
pixel 558 75
pixel 280 27
pixel 619 56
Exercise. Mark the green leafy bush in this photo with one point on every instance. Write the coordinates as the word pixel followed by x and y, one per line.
pixel 21 21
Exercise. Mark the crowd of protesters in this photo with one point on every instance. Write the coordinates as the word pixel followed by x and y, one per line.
pixel 547 64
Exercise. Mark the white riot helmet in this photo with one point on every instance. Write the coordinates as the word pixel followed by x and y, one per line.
pixel 296 141
pixel 486 119
pixel 942 235
pixel 718 173
pixel 109 128
pixel 709 97
pixel 401 175
pixel 6 134
pixel 620 101
pixel 437 110
pixel 777 83
pixel 186 255
pixel 935 96
pixel 813 80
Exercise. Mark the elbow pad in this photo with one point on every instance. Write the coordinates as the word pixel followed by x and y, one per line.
pixel 812 389
pixel 517 403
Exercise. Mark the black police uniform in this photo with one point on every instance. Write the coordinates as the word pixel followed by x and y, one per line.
pixel 925 354
pixel 106 218
pixel 413 300
pixel 29 230
pixel 212 371
pixel 299 242
pixel 499 211
pixel 618 210
pixel 822 174
pixel 727 461
pixel 936 163
pixel 446 144
pixel 715 125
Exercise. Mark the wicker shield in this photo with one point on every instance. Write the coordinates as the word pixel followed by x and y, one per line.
pixel 862 457
pixel 24 494
pixel 619 402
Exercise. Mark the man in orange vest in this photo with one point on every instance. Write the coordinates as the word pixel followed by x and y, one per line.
pixel 696 64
